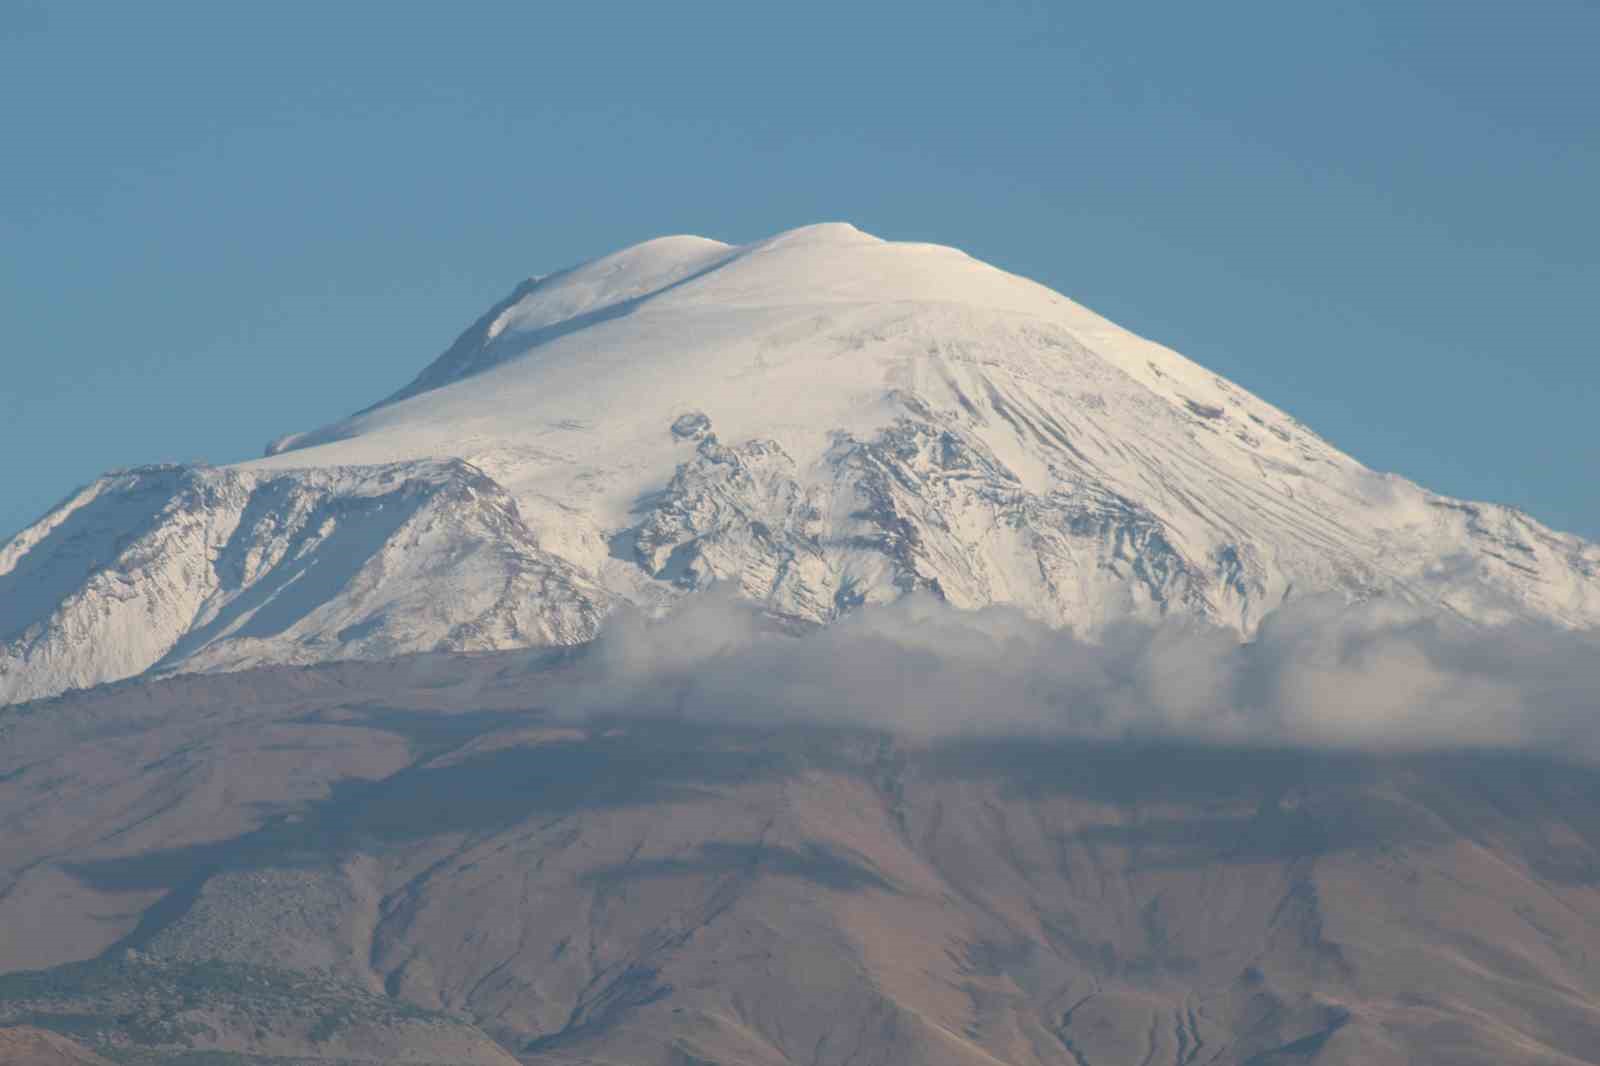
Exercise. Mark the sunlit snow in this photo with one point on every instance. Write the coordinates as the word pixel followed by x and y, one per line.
pixel 869 418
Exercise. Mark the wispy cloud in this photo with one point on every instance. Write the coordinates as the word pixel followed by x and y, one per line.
pixel 1318 673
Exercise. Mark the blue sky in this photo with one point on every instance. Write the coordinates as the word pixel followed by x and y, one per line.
pixel 220 224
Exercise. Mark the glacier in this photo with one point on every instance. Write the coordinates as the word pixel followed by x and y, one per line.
pixel 820 420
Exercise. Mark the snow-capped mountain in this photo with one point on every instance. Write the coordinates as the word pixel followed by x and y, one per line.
pixel 823 419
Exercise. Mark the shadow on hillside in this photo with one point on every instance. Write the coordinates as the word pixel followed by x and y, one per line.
pixel 1166 805
pixel 1187 805
pixel 814 862
pixel 86 543
pixel 480 794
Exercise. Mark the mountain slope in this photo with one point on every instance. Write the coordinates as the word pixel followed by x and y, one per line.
pixel 26 1046
pixel 385 862
pixel 201 567
pixel 823 419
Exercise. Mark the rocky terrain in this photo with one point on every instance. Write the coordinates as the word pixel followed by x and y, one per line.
pixel 427 861
pixel 24 1045
pixel 135 1008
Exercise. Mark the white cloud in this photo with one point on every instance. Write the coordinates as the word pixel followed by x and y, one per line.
pixel 1318 673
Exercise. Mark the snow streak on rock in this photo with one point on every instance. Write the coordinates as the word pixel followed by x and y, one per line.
pixel 203 569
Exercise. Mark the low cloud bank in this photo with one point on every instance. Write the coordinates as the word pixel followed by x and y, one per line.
pixel 1318 673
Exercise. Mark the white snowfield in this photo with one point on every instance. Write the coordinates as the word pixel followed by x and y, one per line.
pixel 823 419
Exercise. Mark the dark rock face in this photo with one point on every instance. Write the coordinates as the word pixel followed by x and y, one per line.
pixel 416 862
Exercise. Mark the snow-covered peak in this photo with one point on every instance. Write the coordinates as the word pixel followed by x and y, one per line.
pixel 822 418
pixel 634 273
pixel 817 330
pixel 820 233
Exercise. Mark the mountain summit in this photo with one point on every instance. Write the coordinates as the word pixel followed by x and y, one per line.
pixel 822 419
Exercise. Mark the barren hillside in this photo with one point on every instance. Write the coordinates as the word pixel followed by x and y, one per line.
pixel 420 861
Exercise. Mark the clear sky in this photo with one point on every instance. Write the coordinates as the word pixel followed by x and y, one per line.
pixel 220 223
